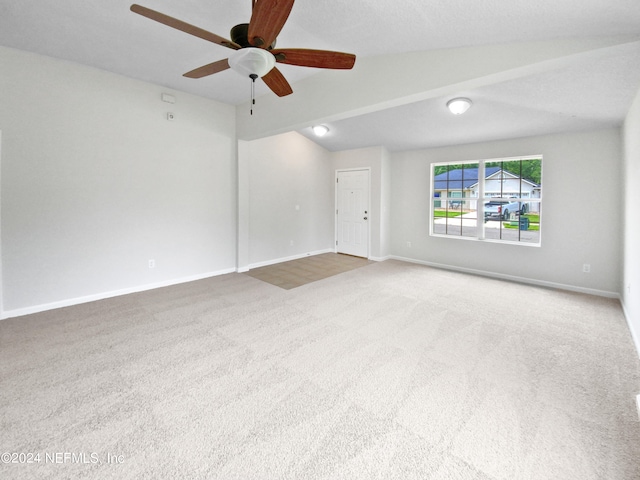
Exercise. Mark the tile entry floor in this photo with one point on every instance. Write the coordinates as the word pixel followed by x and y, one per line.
pixel 305 270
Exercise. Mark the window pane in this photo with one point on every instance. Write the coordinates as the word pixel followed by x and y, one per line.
pixel 510 210
pixel 514 190
pixel 454 211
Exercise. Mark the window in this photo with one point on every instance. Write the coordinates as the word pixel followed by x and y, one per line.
pixel 511 193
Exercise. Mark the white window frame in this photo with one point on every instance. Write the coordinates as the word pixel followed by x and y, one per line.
pixel 480 193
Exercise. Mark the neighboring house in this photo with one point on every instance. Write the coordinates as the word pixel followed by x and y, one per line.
pixel 463 184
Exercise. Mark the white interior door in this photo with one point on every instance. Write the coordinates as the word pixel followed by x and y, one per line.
pixel 353 212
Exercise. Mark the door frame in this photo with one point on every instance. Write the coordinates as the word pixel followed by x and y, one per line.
pixel 335 209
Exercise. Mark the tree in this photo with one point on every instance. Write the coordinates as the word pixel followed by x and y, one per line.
pixel 446 168
pixel 528 169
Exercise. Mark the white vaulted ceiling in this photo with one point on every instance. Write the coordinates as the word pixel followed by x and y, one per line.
pixel 568 90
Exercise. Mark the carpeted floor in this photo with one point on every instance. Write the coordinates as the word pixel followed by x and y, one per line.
pixel 389 371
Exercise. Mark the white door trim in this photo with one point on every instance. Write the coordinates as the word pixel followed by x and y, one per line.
pixel 335 210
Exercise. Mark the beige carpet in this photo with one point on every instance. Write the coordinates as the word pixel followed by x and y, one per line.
pixel 389 371
pixel 305 270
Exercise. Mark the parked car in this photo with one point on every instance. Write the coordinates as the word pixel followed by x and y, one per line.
pixel 501 208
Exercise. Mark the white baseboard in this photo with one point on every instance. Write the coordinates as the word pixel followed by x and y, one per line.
pixel 101 296
pixel 513 278
pixel 380 259
pixel 284 259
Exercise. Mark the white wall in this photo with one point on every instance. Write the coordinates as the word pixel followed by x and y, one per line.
pixel 377 159
pixel 96 181
pixel 631 176
pixel 1 271
pixel 281 172
pixel 580 219
pixel 284 172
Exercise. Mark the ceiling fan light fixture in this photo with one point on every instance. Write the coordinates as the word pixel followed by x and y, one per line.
pixel 252 61
pixel 320 130
pixel 458 106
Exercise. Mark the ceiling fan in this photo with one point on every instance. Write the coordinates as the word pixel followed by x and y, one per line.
pixel 254 43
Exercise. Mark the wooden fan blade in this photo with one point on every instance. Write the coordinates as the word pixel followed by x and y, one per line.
pixel 277 83
pixel 267 20
pixel 209 69
pixel 315 58
pixel 183 26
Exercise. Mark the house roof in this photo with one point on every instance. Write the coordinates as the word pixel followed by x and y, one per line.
pixel 496 174
pixel 460 179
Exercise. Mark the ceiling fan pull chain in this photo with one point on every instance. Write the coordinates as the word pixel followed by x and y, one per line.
pixel 253 77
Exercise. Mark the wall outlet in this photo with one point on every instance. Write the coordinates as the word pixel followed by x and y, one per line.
pixel 638 404
pixel 409 244
pixel 291 243
pixel 152 264
pixel 586 268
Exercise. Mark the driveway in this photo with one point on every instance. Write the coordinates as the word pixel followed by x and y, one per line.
pixel 466 225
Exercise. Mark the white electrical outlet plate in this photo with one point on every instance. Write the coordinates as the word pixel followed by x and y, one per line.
pixel 152 264
pixel 638 405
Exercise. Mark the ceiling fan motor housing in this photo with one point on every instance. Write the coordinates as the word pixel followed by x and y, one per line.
pixel 240 35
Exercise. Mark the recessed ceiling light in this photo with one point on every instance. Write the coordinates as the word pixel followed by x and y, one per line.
pixel 459 105
pixel 320 130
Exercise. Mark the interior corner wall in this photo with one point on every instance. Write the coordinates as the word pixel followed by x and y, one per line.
pixel 581 223
pixel 631 239
pixel 1 283
pixel 385 206
pixel 290 198
pixel 377 159
pixel 244 168
pixel 96 182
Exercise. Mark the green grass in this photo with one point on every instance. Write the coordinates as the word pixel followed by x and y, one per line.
pixel 445 213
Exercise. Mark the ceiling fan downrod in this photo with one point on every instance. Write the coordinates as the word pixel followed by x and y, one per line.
pixel 253 77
